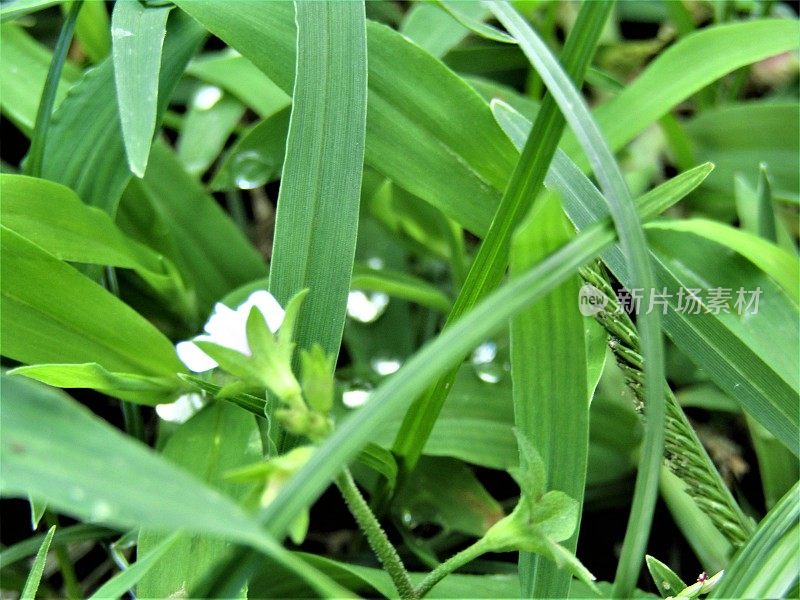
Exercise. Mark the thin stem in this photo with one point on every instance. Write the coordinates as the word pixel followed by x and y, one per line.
pixel 33 166
pixel 71 585
pixel 456 561
pixel 376 536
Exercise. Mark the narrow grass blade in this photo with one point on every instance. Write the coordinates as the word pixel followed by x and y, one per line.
pixel 124 581
pixel 137 34
pixel 45 299
pixel 490 263
pixel 399 285
pixel 93 30
pixel 635 246
pixel 317 215
pixel 64 535
pixel 33 164
pixel 35 576
pixel 548 368
pixel 20 8
pixel 437 31
pixel 666 580
pixel 209 122
pixel 767 566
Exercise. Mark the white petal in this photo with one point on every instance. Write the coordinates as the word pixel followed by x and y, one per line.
pixel 195 359
pixel 269 307
pixel 181 410
pixel 227 327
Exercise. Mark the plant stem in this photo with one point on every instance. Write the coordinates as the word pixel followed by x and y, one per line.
pixel 456 561
pixel 376 536
pixel 71 585
pixel 33 166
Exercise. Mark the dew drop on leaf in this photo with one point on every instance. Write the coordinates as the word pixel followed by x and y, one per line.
pixel 366 307
pixel 385 365
pixel 250 169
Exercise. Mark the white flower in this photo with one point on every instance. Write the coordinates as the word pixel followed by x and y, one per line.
pixel 228 327
pixel 182 409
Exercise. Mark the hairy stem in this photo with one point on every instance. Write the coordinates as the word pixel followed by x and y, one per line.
pixel 456 561
pixel 376 536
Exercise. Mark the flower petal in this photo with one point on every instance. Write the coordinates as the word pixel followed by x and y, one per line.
pixel 269 307
pixel 181 410
pixel 195 359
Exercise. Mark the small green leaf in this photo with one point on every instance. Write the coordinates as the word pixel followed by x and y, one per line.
pixel 35 576
pixel 666 580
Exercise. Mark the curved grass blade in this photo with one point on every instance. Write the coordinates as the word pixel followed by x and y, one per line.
pixel 399 285
pixel 35 576
pixel 137 37
pixel 436 30
pixel 64 535
pixel 767 566
pixel 317 216
pixel 635 247
pixel 33 164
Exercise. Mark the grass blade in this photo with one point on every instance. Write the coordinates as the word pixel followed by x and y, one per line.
pixel 635 246
pixel 548 369
pixel 317 216
pixel 137 34
pixel 35 576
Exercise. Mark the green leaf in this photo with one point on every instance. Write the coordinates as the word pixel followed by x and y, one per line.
pixel 317 216
pixel 93 30
pixel 94 165
pixel 218 439
pixel 632 240
pixel 436 30
pixel 54 218
pixel 476 26
pixel 53 314
pixel 137 36
pixel 84 467
pixel 767 566
pixel 412 132
pixel 35 576
pixel 667 582
pixel 64 535
pixel 124 581
pixel 21 95
pixel 142 389
pixel 19 8
pixel 169 211
pixel 207 126
pixel 685 68
pixel 399 285
pixel 548 367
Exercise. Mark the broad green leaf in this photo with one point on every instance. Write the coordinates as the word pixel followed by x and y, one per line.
pixel 632 240
pixel 767 566
pixel 35 576
pixel 549 371
pixel 88 469
pixel 708 341
pixel 445 492
pixel 412 136
pixel 124 581
pixel 137 37
pixel 436 30
pixel 94 165
pixel 209 122
pixel 142 389
pixel 256 158
pixel 51 216
pixel 241 78
pixel 53 314
pixel 218 439
pixel 169 211
pixel 20 96
pixel 317 216
pixel 685 68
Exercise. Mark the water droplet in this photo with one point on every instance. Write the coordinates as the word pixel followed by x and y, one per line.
pixel 366 307
pixel 375 262
pixel 485 365
pixel 119 32
pixel 355 398
pixel 250 169
pixel 408 519
pixel 384 365
pixel 182 409
pixel 101 510
pixel 206 97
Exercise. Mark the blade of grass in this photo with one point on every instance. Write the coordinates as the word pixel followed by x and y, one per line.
pixel 548 369
pixel 35 576
pixel 33 164
pixel 489 265
pixel 64 535
pixel 317 215
pixel 137 37
pixel 634 244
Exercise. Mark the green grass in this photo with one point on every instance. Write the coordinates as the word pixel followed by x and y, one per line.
pixel 432 190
